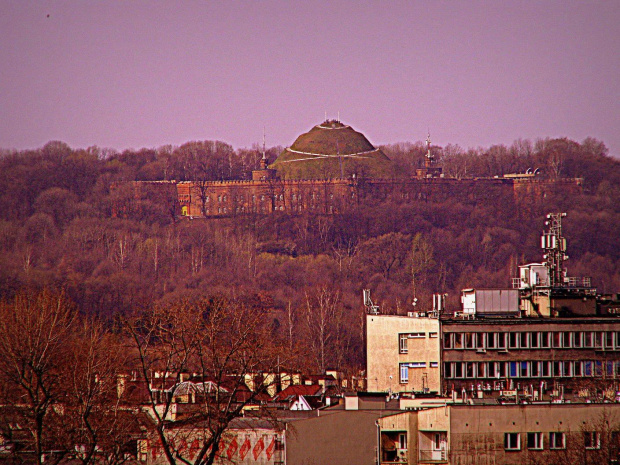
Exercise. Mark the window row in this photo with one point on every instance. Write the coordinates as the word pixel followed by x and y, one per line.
pixel 404 369
pixel 609 340
pixel 532 369
pixel 403 347
pixel 557 440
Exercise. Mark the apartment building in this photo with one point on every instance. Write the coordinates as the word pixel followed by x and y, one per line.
pixel 502 434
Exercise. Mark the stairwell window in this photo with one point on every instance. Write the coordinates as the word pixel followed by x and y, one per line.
pixel 512 441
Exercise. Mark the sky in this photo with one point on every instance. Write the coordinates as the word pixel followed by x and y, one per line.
pixel 133 74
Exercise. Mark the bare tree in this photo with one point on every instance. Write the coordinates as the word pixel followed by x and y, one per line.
pixel 36 331
pixel 221 344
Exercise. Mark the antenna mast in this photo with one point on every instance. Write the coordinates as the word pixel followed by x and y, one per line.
pixel 554 245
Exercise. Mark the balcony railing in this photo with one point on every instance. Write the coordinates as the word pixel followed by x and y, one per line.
pixel 433 455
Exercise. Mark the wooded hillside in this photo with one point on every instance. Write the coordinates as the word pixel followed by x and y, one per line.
pixel 58 230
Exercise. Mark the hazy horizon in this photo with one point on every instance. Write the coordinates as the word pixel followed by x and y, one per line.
pixel 143 74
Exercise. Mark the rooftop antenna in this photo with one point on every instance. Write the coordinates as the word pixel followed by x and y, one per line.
pixel 264 157
pixel 325 115
pixel 339 116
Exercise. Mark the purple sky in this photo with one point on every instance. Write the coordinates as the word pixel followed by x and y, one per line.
pixel 142 74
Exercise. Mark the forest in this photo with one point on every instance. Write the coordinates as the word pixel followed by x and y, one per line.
pixel 303 272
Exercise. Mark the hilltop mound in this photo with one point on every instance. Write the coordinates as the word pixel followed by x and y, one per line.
pixel 331 150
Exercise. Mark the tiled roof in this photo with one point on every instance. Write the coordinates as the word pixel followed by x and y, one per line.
pixel 299 390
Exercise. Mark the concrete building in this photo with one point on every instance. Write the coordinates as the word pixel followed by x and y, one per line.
pixel 403 353
pixel 502 434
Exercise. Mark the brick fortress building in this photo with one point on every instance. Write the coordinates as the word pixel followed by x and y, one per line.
pixel 332 168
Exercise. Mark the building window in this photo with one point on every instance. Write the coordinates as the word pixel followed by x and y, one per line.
pixel 404 373
pixel 557 440
pixel 546 369
pixel 480 340
pixel 469 341
pixel 434 364
pixel 512 441
pixel 557 340
pixel 591 440
pixel 513 340
pixel 491 341
pixel 545 340
pixel 470 368
pixel 403 349
pixel 535 369
pixel 416 336
pixel 492 370
pixel 609 340
pixel 598 340
pixel 417 365
pixel 458 340
pixel 578 339
pixel 588 340
pixel 432 335
pixel 447 370
pixel 535 340
pixel 577 369
pixel 525 340
pixel 535 441
pixel 447 341
pixel 402 441
pixel 458 370
pixel 501 340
